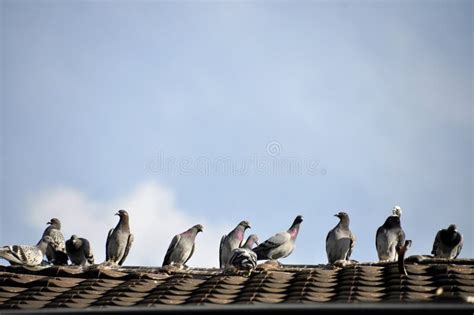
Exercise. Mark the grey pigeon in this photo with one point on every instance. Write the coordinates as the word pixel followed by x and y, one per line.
pixel 448 243
pixel 56 251
pixel 244 258
pixel 182 246
pixel 280 245
pixel 389 239
pixel 119 240
pixel 26 255
pixel 340 240
pixel 79 251
pixel 231 241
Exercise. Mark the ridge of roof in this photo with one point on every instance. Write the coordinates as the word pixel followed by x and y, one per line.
pixel 69 288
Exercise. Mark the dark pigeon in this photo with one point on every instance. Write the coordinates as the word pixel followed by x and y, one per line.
pixel 340 240
pixel 280 245
pixel 231 241
pixel 56 251
pixel 182 246
pixel 26 255
pixel 448 243
pixel 119 240
pixel 79 251
pixel 389 239
pixel 244 258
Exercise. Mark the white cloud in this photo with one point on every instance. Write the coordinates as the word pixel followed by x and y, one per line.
pixel 154 220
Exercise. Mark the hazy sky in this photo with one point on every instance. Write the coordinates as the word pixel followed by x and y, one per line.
pixel 212 112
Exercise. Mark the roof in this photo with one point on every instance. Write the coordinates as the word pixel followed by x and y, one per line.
pixel 71 288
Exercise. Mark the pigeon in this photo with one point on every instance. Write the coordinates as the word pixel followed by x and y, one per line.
pixel 231 241
pixel 79 251
pixel 56 250
pixel 340 240
pixel 389 239
pixel 448 243
pixel 26 255
pixel 397 211
pixel 119 240
pixel 244 258
pixel 280 245
pixel 182 247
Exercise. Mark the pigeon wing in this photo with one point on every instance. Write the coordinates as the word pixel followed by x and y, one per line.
pixel 88 251
pixel 459 246
pixel 170 250
pixel 276 240
pixel 401 239
pixel 334 246
pixel 127 249
pixel 273 242
pixel 12 254
pixel 436 243
pixel 109 236
pixel 22 255
pixel 190 254
pixel 378 235
pixel 351 245
pixel 57 242
pixel 221 247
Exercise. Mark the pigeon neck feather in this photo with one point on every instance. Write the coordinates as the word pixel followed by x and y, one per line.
pixel 192 232
pixel 344 222
pixel 124 224
pixel 293 230
pixel 249 243
pixel 238 232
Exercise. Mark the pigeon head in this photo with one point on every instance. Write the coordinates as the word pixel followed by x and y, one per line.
pixel 452 227
pixel 198 228
pixel 75 240
pixel 397 211
pixel 55 223
pixel 245 224
pixel 343 217
pixel 122 213
pixel 298 220
pixel 251 240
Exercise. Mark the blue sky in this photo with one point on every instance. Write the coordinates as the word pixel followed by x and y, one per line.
pixel 377 95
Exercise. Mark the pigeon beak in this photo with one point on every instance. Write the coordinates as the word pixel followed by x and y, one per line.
pixel 117 214
pixel 336 215
pixel 49 222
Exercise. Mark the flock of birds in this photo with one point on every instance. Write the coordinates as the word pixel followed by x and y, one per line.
pixel 233 251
